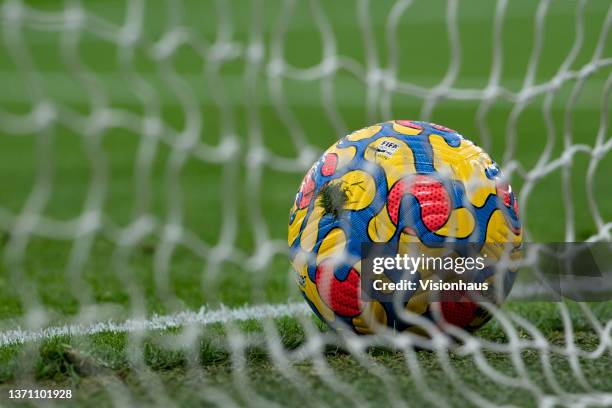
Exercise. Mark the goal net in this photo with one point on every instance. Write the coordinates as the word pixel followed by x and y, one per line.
pixel 150 152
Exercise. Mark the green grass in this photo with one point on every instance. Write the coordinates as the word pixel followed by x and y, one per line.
pixel 187 374
pixel 39 276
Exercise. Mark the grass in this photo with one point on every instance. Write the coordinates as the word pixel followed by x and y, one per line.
pixel 51 280
pixel 95 365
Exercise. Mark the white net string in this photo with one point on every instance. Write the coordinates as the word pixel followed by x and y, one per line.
pixel 245 152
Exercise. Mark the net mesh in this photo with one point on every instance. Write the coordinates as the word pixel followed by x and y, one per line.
pixel 151 153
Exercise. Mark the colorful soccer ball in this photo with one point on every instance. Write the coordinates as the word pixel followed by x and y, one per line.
pixel 396 182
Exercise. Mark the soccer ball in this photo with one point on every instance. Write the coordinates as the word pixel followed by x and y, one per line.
pixel 386 183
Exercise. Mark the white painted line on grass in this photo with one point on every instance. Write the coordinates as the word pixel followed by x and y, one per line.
pixel 202 317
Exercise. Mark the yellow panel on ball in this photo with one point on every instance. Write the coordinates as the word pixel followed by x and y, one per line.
pixel 394 155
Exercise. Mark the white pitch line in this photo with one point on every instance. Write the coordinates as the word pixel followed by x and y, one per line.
pixel 202 317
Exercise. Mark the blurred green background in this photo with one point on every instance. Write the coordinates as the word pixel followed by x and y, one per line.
pixel 206 87
pixel 82 69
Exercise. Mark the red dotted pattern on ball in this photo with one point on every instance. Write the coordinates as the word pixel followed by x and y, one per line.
pixel 432 197
pixel 442 128
pixel 393 200
pixel 503 191
pixel 409 231
pixel 409 124
pixel 515 206
pixel 329 165
pixel 343 297
pixel 307 191
pixel 459 313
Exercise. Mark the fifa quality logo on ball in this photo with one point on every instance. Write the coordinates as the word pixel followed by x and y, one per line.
pixel 398 182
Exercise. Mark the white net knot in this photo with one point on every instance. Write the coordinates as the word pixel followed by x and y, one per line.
pixel 389 81
pixel 276 67
pixel 228 148
pixel 599 152
pixel 129 35
pixel 255 52
pixel 222 51
pixel 137 230
pixel 491 92
pixel 440 343
pixel 74 18
pixel 471 345
pixel 329 65
pixel 172 232
pixel 186 141
pixel 169 43
pixel 523 97
pixel 556 83
pixel 152 126
pixel 587 70
pixel 220 253
pixel 355 344
pixel 542 344
pixel 13 11
pixel 375 77
pixel 44 114
pixel 90 222
pixel 256 156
